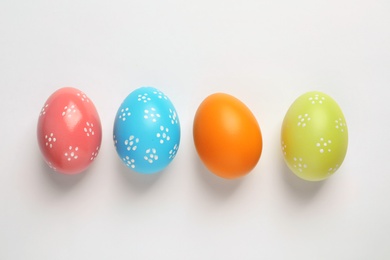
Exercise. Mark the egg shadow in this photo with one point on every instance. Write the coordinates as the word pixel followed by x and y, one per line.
pixel 218 186
pixel 64 182
pixel 139 182
pixel 300 189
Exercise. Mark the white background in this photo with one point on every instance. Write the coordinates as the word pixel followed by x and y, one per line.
pixel 266 53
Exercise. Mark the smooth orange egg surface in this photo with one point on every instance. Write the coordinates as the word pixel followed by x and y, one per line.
pixel 227 136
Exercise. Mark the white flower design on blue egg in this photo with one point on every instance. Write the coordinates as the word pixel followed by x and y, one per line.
pixel 147 131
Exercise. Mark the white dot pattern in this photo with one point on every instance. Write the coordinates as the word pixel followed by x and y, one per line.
pixel 129 162
pixel 69 111
pixel 284 146
pixel 151 155
pixel 299 164
pixel 340 125
pixel 173 117
pixel 324 145
pixel 303 120
pixel 317 99
pixel 131 143
pixel 151 114
pixel 71 154
pixel 172 152
pixel 124 113
pixel 333 169
pixel 163 134
pixel 94 154
pixel 160 95
pixel 43 110
pixel 50 139
pixel 83 97
pixel 88 129
pixel 143 98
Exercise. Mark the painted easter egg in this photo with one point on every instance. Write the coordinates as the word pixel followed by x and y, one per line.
pixel 147 131
pixel 227 136
pixel 69 131
pixel 314 136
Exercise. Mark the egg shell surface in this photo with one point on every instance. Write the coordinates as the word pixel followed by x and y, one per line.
pixel 146 131
pixel 69 131
pixel 227 136
pixel 314 136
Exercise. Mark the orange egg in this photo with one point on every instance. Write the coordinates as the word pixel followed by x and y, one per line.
pixel 227 136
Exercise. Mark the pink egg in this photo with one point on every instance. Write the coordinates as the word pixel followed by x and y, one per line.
pixel 69 131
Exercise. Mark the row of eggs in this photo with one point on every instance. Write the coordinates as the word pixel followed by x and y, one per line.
pixel 227 136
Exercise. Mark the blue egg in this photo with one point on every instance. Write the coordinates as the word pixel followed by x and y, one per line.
pixel 146 131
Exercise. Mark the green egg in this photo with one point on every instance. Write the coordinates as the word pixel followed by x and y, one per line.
pixel 314 136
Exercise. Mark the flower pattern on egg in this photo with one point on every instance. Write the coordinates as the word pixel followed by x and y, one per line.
pixel 94 154
pixel 143 98
pixel 151 155
pixel 69 111
pixel 131 143
pixel 303 120
pixel 124 113
pixel 151 114
pixel 83 97
pixel 129 162
pixel 340 125
pixel 71 154
pixel 43 110
pixel 50 140
pixel 173 151
pixel 163 134
pixel 324 146
pixel 173 117
pixel 160 95
pixel 88 129
pixel 299 164
pixel 317 99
